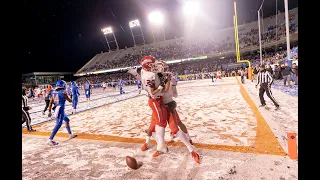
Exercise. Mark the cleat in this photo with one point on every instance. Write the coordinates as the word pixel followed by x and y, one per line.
pixel 52 143
pixel 157 153
pixel 195 156
pixel 71 136
pixel 43 113
pixel 32 130
pixel 190 142
pixel 144 147
pixel 262 105
pixel 277 107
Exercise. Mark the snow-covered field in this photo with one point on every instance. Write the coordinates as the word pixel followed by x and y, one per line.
pixel 218 115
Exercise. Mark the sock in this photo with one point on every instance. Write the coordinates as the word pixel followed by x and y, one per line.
pixel 68 129
pixel 160 136
pixel 148 139
pixel 185 140
pixel 187 134
pixel 154 135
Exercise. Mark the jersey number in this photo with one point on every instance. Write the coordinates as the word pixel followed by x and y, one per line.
pixel 149 83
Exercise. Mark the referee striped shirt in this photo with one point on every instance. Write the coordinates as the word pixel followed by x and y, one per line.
pixel 264 77
pixel 25 103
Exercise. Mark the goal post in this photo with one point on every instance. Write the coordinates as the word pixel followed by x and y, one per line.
pixel 236 37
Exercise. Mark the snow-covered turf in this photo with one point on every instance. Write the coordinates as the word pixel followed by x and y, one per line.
pixel 218 115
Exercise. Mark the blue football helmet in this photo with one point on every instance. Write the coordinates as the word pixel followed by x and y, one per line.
pixel 61 84
pixel 73 83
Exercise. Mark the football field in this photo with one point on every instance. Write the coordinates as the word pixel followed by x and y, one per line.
pixel 235 139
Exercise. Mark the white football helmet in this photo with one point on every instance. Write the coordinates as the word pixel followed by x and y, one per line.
pixel 160 66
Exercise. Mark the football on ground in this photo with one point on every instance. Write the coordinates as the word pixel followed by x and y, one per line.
pixel 131 162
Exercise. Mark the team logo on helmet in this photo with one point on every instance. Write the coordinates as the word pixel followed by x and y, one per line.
pixel 147 62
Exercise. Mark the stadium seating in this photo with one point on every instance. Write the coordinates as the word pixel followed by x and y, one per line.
pixel 205 44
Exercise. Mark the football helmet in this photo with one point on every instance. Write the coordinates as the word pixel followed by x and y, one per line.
pixel 61 84
pixel 160 66
pixel 147 63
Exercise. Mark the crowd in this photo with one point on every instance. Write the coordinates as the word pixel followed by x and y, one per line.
pixel 202 69
pixel 184 48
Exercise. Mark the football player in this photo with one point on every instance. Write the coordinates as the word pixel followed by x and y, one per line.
pixel 87 91
pixel 151 83
pixel 75 96
pixel 59 97
pixel 173 118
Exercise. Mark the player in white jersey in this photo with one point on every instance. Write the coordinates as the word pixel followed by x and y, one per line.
pixel 150 80
pixel 151 83
pixel 173 119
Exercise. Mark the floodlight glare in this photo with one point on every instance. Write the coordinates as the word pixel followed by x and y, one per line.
pixel 134 23
pixel 191 8
pixel 156 18
pixel 107 30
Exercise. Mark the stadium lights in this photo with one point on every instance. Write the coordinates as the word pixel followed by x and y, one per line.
pixel 107 30
pixel 191 8
pixel 156 18
pixel 134 23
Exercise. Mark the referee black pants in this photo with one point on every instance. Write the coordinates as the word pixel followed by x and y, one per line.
pixel 26 118
pixel 264 88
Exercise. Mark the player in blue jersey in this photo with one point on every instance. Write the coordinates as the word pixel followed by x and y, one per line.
pixel 87 91
pixel 59 97
pixel 138 83
pixel 70 90
pixel 120 84
pixel 75 96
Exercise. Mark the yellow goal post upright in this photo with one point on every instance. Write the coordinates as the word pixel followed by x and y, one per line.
pixel 236 37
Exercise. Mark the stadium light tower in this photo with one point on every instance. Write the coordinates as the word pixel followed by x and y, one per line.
pixel 134 24
pixel 287 33
pixel 260 32
pixel 156 18
pixel 191 8
pixel 106 31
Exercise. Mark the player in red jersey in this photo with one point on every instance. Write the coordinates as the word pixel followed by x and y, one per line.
pixel 219 75
pixel 151 77
pixel 151 83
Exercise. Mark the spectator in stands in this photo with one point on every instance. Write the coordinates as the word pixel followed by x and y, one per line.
pixel 255 72
pixel 286 73
pixel 295 73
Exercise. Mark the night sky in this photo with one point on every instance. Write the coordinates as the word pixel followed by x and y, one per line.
pixel 63 35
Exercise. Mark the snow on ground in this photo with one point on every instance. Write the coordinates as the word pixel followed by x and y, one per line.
pixel 279 85
pixel 98 98
pixel 281 121
pixel 206 110
pixel 80 159
pixel 215 113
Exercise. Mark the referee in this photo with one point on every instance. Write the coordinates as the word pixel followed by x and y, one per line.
pixel 25 110
pixel 265 80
